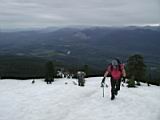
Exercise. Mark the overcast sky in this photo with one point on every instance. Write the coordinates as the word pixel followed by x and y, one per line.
pixel 43 13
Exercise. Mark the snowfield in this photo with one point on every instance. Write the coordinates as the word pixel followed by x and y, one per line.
pixel 22 100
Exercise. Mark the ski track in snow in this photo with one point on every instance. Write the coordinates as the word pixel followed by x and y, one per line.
pixel 21 100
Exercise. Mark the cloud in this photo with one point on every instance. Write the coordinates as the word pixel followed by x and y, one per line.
pixel 40 13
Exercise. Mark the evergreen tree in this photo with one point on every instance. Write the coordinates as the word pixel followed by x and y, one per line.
pixel 49 77
pixel 136 68
pixel 131 82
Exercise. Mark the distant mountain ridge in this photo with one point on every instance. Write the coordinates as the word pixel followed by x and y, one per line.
pixel 92 45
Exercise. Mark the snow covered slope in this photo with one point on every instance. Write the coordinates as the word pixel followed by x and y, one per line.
pixel 21 100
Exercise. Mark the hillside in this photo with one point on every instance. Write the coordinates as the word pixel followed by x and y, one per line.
pixel 93 46
pixel 21 100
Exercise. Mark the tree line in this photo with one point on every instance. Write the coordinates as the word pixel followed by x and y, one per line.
pixel 27 68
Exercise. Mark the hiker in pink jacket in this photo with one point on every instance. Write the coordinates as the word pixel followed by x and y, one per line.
pixel 116 71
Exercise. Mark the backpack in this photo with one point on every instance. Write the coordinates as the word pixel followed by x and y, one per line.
pixel 115 70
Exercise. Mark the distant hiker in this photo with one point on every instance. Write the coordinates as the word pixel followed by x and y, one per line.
pixel 80 76
pixel 116 71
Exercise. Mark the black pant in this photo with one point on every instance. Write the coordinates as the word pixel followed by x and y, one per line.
pixel 115 86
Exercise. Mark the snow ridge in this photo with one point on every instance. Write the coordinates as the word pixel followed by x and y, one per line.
pixel 21 100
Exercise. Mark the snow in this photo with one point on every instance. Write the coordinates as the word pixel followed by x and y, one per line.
pixel 22 100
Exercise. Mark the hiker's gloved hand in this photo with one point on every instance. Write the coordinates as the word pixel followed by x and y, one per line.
pixel 102 83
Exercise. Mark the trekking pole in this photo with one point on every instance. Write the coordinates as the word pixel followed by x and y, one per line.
pixel 103 84
pixel 103 89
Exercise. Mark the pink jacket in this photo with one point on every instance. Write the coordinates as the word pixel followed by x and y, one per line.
pixel 116 74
